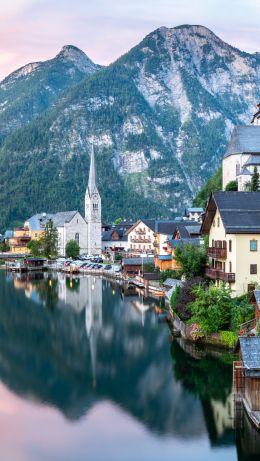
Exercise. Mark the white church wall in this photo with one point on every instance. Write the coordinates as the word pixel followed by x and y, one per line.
pixel 79 226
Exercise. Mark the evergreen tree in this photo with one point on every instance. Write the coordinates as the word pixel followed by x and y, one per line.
pixel 255 182
pixel 49 242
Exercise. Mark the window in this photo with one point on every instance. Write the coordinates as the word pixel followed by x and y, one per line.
pixel 253 245
pixel 214 223
pixel 230 266
pixel 237 169
pixel 77 238
pixel 213 243
pixel 253 268
pixel 230 245
pixel 218 222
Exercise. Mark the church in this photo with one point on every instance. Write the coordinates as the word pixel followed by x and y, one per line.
pixel 71 225
pixel 243 154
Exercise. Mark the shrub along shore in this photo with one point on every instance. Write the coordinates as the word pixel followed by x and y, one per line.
pixel 201 311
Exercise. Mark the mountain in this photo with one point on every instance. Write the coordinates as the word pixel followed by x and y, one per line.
pixel 159 118
pixel 30 90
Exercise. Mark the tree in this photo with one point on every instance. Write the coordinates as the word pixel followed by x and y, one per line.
pixel 35 247
pixel 255 182
pixel 49 241
pixel 149 267
pixel 118 221
pixel 4 247
pixel 191 260
pixel 183 296
pixel 72 249
pixel 231 186
pixel 212 307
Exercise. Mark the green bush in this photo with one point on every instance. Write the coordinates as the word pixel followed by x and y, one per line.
pixel 191 260
pixel 212 307
pixel 232 186
pixel 229 338
pixel 241 312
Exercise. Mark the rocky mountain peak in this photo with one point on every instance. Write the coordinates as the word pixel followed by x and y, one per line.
pixel 77 57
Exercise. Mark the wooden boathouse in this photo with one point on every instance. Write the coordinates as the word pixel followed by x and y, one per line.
pixel 246 377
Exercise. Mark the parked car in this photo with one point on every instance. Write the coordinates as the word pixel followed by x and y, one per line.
pixel 107 267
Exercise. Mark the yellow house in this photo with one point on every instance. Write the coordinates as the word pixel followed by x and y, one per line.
pixel 18 243
pixel 22 236
pixel 232 222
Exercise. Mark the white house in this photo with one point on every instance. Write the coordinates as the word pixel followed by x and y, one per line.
pixel 141 236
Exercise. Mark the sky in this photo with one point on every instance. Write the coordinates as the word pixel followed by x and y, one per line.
pixel 35 30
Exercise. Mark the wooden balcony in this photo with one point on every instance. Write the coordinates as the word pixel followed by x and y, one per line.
pixel 216 274
pixel 217 253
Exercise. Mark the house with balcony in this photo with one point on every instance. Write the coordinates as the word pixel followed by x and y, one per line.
pixel 18 242
pixel 232 222
pixel 141 237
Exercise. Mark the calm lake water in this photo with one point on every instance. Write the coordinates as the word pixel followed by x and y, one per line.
pixel 87 373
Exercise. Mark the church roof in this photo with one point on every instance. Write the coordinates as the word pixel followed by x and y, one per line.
pixel 244 139
pixel 92 187
pixel 245 172
pixel 253 160
pixel 39 220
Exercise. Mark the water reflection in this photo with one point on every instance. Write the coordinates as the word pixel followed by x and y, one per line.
pixel 90 348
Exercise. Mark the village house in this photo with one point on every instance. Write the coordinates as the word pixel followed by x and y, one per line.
pixel 243 154
pixel 19 240
pixel 141 237
pixel 178 233
pixel 114 240
pixel 232 222
pixel 193 214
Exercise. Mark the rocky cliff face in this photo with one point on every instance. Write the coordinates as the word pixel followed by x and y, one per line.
pixel 159 118
pixel 30 90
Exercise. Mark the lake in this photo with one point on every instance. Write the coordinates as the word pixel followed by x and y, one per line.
pixel 88 373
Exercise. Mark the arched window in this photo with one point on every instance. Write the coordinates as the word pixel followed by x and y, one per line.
pixel 77 238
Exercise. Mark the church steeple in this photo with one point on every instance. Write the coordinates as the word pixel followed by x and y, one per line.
pixel 92 187
pixel 93 210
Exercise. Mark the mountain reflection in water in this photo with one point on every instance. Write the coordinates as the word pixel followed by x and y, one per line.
pixel 81 345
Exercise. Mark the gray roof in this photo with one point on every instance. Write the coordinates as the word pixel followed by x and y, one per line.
pixel 59 219
pixel 240 211
pixel 8 234
pixel 185 241
pixel 39 220
pixel 172 283
pixel 137 261
pixel 253 160
pixel 107 236
pixel 149 223
pixel 165 227
pixel 244 139
pixel 250 349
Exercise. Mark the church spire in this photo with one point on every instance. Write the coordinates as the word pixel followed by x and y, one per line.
pixel 92 187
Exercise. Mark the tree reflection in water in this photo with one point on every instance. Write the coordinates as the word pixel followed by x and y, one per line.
pixel 74 342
